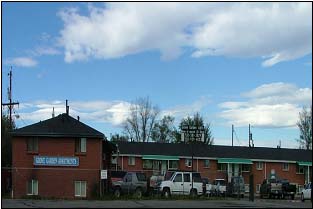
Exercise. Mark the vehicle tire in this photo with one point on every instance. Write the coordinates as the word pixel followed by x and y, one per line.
pixel 193 193
pixel 302 197
pixel 138 193
pixel 293 197
pixel 242 196
pixel 166 192
pixel 117 192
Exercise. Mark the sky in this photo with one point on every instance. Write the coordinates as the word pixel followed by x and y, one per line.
pixel 235 63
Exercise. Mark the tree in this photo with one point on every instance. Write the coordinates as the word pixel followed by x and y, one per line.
pixel 6 141
pixel 163 130
pixel 139 124
pixel 197 120
pixel 119 138
pixel 305 126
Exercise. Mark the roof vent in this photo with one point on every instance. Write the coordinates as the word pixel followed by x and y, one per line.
pixel 78 118
pixel 67 108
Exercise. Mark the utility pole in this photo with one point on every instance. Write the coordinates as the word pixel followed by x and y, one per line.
pixel 232 135
pixel 10 104
pixel 249 136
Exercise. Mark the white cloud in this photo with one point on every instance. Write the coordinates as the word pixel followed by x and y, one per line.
pixel 22 62
pixel 274 31
pixel 114 112
pixel 269 105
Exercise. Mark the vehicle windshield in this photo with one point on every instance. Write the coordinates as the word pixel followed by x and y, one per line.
pixel 141 176
pixel 168 175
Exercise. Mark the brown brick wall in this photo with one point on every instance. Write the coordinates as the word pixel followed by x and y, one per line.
pixel 55 181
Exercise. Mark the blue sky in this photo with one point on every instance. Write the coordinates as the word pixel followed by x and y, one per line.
pixel 236 63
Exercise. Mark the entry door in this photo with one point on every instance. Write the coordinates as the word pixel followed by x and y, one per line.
pixel 163 167
pixel 178 184
pixel 187 183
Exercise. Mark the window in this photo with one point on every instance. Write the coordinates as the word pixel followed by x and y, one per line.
pixel 128 177
pixel 196 177
pixel 178 178
pixel 186 177
pixel 259 165
pixel 131 160
pixel 113 160
pixel 285 166
pixel 32 144
pixel 245 168
pixel 173 164
pixel 206 163
pixel 222 167
pixel 188 162
pixel 300 169
pixel 147 164
pixel 141 177
pixel 258 187
pixel 80 145
pixel 32 187
pixel 80 188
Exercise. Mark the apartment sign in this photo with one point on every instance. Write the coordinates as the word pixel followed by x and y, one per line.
pixel 56 161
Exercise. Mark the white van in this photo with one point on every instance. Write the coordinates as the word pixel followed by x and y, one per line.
pixel 180 184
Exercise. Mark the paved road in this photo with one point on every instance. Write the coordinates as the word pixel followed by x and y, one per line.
pixel 8 203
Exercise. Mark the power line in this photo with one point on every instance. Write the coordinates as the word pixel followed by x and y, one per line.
pixel 237 137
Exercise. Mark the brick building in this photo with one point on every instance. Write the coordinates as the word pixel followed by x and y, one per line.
pixel 59 157
pixel 217 161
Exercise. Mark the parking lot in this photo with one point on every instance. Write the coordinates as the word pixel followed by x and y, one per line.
pixel 222 203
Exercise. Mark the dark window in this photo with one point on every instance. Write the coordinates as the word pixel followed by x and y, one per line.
pixel 245 167
pixel 80 145
pixel 147 164
pixel 186 177
pixel 222 167
pixel 128 177
pixel 178 178
pixel 196 177
pixel 32 144
pixel 141 176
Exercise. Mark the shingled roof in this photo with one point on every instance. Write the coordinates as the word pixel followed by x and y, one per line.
pixel 61 126
pixel 214 151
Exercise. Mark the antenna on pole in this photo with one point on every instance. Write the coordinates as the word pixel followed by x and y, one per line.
pixel 10 104
pixel 232 135
pixel 52 112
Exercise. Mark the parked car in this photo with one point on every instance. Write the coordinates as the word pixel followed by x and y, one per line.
pixel 271 188
pixel 236 187
pixel 306 193
pixel 288 190
pixel 182 183
pixel 206 187
pixel 154 183
pixel 219 187
pixel 132 183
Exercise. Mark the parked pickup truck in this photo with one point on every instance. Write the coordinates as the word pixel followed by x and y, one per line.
pixel 219 187
pixel 288 190
pixel 132 183
pixel 182 183
pixel 271 188
pixel 236 187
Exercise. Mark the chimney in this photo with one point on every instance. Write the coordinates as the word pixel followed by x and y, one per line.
pixel 78 118
pixel 67 108
pixel 53 112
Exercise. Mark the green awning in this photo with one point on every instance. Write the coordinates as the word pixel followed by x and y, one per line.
pixel 234 160
pixel 301 163
pixel 159 157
